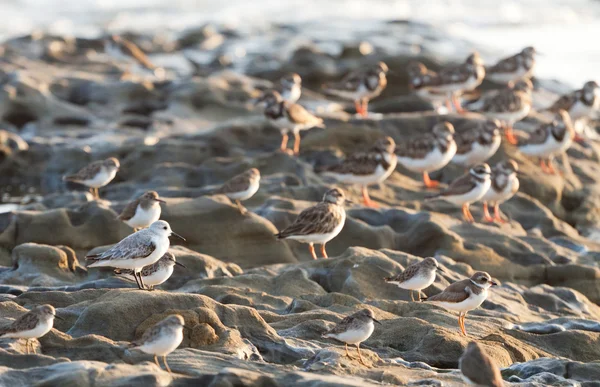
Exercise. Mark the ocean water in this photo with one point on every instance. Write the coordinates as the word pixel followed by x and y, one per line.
pixel 564 31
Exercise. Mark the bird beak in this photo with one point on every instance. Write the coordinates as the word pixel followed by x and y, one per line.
pixel 60 318
pixel 441 269
pixel 494 283
pixel 160 201
pixel 348 201
pixel 377 321
pixel 177 235
pixel 180 264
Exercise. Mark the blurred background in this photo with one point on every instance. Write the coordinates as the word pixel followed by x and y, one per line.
pixel 564 31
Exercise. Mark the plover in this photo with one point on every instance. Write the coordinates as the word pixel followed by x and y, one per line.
pixel 467 189
pixel 476 145
pixel 96 174
pixel 478 368
pixel 579 103
pixel 418 276
pixel 143 211
pixel 513 68
pixel 288 117
pixel 290 87
pixel 464 296
pixel 504 185
pixel 241 187
pixel 453 80
pixel 126 51
pixel 162 339
pixel 140 249
pixel 361 86
pixel 354 329
pixel 429 152
pixel 32 325
pixel 154 274
pixel 366 168
pixel 549 140
pixel 318 224
pixel 509 105
pixel 418 76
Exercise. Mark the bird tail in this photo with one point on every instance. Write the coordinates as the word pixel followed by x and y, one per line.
pixel 279 236
pixel 68 178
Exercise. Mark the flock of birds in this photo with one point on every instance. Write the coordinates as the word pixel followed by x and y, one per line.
pixel 144 258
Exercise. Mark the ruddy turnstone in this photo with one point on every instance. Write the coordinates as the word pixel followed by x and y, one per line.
pixel 513 68
pixel 509 105
pixel 288 117
pixel 366 168
pixel 124 50
pixel 138 250
pixel 478 368
pixel 419 75
pixel 428 153
pixel 96 174
pixel 454 80
pixel 143 211
pixel 418 276
pixel 467 189
pixel 476 145
pixel 361 86
pixel 505 184
pixel 464 296
pixel 162 339
pixel 154 274
pixel 549 140
pixel 320 223
pixel 580 104
pixel 354 329
pixel 32 325
pixel 241 187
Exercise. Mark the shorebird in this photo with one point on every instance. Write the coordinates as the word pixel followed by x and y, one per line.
pixel 32 325
pixel 162 339
pixel 143 211
pixel 476 145
pixel 418 76
pixel 320 223
pixel 418 276
pixel 514 68
pixel 153 275
pixel 478 368
pixel 579 103
pixel 290 87
pixel 241 187
pixel 464 296
pixel 96 174
pixel 353 330
pixel 504 185
pixel 366 168
pixel 138 250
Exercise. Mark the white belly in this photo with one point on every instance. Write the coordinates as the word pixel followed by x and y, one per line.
pixel 548 148
pixel 510 117
pixel 473 302
pixel 40 330
pixel 154 279
pixel 471 196
pixel 492 196
pixel 247 194
pixel 417 282
pixel 478 153
pixel 580 110
pixel 101 179
pixel 165 344
pixel 293 94
pixel 144 218
pixel 432 162
pixel 138 263
pixel 320 238
pixel 355 336
pixel 510 77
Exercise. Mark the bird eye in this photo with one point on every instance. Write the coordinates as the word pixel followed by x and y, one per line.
pixel 164 228
pixel 483 279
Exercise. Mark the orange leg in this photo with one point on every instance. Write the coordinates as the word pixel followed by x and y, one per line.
pixel 510 136
pixel 365 107
pixel 366 199
pixel 311 248
pixel 486 213
pixel 284 141
pixel 449 104
pixel 467 213
pixel 360 356
pixel 551 169
pixel 323 251
pixel 296 143
pixel 461 323
pixel 359 108
pixel 498 215
pixel 428 182
pixel 544 166
pixel 457 106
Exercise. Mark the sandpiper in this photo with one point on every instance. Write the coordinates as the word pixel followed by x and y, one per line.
pixel 154 274
pixel 429 152
pixel 366 168
pixel 579 103
pixel 241 187
pixel 478 368
pixel 418 76
pixel 96 174
pixel 288 117
pixel 162 339
pixel 418 276
pixel 320 223
pixel 476 145
pixel 549 140
pixel 140 249
pixel 513 68
pixel 143 211
pixel 354 329
pixel 504 185
pixel 32 325
pixel 361 86
pixel 464 296
pixel 467 189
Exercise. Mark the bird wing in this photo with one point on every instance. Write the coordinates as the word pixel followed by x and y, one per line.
pixel 235 184
pixel 506 100
pixel 129 211
pixel 457 292
pixel 299 115
pixel 405 275
pixel 357 164
pixel 459 186
pixel 85 172
pixel 417 147
pixel 507 65
pixel 565 102
pixel 342 326
pixel 313 220
pixel 129 248
pixel 26 322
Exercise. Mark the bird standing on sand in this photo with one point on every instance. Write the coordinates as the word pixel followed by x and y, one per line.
pixel 162 339
pixel 241 187
pixel 143 211
pixel 418 276
pixel 96 174
pixel 320 223
pixel 478 368
pixel 32 325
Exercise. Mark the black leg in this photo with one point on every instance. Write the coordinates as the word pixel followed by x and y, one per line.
pixel 136 279
pixel 141 281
